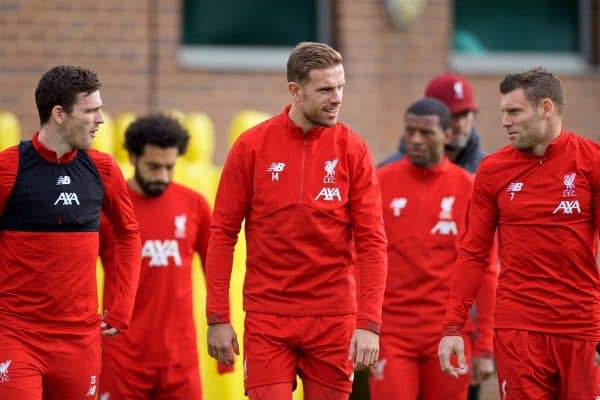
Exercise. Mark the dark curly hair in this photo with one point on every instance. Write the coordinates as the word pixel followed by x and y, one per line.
pixel 538 84
pixel 60 86
pixel 156 129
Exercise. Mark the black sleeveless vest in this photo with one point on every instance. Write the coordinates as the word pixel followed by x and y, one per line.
pixel 50 197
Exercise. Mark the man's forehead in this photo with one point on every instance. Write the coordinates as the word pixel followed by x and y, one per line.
pixel 427 119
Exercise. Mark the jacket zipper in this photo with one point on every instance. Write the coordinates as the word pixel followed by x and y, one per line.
pixel 302 170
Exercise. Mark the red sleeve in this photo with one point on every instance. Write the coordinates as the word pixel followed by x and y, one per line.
pixel 107 256
pixel 231 205
pixel 123 274
pixel 9 164
pixel 202 235
pixel 474 254
pixel 486 303
pixel 595 184
pixel 369 240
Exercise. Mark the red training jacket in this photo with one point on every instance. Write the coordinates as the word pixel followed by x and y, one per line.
pixel 547 210
pixel 305 199
pixel 48 279
pixel 425 214
pixel 173 227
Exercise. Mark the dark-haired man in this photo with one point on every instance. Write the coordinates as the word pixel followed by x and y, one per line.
pixel 157 357
pixel 431 195
pixel 306 187
pixel 542 193
pixel 52 190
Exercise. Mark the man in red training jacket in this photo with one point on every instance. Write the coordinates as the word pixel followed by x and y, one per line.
pixel 306 188
pixel 542 192
pixel 426 199
pixel 52 191
pixel 157 358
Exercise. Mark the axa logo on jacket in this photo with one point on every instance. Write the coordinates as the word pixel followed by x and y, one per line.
pixel 67 199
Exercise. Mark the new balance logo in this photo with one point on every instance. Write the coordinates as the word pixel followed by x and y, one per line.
pixel 445 228
pixel 4 371
pixel 159 252
pixel 567 207
pixel 92 389
pixel 275 168
pixel 67 199
pixel 63 180
pixel 329 194
pixel 513 188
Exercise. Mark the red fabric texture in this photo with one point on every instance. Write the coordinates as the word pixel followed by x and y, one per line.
pixel 547 210
pixel 534 365
pixel 300 223
pixel 51 278
pixel 425 214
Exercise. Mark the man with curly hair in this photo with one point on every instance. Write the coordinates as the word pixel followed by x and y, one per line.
pixel 157 357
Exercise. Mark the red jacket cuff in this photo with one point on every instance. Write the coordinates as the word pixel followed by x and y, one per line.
pixel 214 319
pixel 368 325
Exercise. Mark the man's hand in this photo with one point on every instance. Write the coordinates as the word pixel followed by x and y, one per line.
pixel 364 348
pixel 452 345
pixel 481 369
pixel 221 341
pixel 108 330
pixel 597 355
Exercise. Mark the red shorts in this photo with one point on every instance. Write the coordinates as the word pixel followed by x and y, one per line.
pixel 410 369
pixel 536 366
pixel 277 347
pixel 62 366
pixel 123 378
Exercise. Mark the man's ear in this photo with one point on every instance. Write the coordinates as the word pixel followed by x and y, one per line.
pixel 547 107
pixel 295 90
pixel 447 135
pixel 132 158
pixel 58 114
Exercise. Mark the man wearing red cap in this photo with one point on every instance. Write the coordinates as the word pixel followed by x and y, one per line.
pixel 464 147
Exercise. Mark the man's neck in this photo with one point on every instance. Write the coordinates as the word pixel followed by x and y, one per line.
pixel 52 140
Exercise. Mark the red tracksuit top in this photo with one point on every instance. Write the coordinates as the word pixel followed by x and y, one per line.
pixel 425 214
pixel 48 278
pixel 173 227
pixel 547 210
pixel 307 201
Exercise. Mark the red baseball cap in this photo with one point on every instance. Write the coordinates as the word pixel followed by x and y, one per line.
pixel 454 91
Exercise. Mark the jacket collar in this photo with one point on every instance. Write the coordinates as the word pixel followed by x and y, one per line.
pixel 297 131
pixel 50 155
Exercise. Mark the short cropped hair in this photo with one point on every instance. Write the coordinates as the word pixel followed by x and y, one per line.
pixel 538 84
pixel 156 129
pixel 60 86
pixel 307 56
pixel 431 106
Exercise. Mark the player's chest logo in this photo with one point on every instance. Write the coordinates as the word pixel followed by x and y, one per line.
pixel 330 171
pixel 160 252
pixel 4 371
pixel 446 224
pixel 180 222
pixel 569 204
pixel 397 204
pixel 275 168
pixel 513 189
